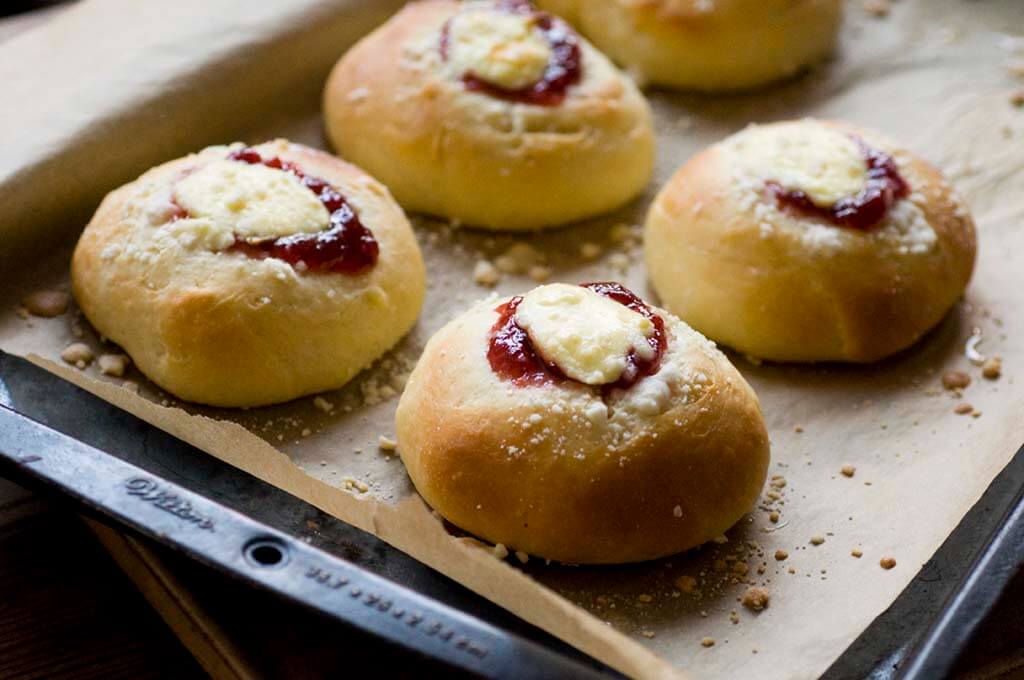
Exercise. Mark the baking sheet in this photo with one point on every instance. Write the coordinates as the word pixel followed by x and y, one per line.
pixel 937 75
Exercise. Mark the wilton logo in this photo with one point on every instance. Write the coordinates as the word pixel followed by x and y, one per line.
pixel 149 491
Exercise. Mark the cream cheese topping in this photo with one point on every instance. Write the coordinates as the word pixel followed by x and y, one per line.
pixel 506 50
pixel 588 336
pixel 808 156
pixel 226 198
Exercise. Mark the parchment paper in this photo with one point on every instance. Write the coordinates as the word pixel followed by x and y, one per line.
pixel 126 88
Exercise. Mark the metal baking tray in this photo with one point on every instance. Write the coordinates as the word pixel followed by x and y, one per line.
pixel 921 636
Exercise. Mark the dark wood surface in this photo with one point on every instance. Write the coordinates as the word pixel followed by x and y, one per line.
pixel 66 610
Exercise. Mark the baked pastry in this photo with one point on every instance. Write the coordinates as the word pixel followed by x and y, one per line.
pixel 809 241
pixel 245 276
pixel 492 114
pixel 709 45
pixel 579 424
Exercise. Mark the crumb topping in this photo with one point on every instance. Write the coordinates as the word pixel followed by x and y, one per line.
pixel 878 8
pixel 47 303
pixel 322 404
pixel 113 365
pixel 955 380
pixel 350 484
pixel 78 354
pixel 756 598
pixel 486 274
pixel 992 368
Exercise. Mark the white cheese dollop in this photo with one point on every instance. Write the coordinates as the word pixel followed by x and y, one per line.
pixel 588 336
pixel 503 49
pixel 823 162
pixel 229 197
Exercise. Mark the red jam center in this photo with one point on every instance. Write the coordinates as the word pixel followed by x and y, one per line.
pixel 178 213
pixel 563 69
pixel 864 210
pixel 346 247
pixel 512 355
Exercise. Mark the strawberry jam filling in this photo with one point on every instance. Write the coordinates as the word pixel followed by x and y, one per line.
pixel 345 247
pixel 563 70
pixel 863 211
pixel 513 357
pixel 178 213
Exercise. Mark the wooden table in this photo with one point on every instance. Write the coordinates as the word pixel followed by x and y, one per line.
pixel 66 609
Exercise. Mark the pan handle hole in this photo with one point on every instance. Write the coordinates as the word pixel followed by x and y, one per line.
pixel 266 553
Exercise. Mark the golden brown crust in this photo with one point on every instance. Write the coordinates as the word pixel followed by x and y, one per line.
pixel 468 156
pixel 526 467
pixel 228 330
pixel 708 44
pixel 755 280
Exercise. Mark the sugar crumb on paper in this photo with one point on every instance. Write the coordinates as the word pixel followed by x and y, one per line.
pixel 956 380
pixel 756 598
pixel 47 303
pixel 78 354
